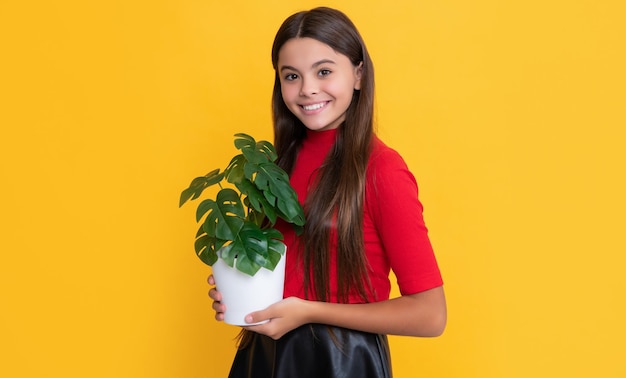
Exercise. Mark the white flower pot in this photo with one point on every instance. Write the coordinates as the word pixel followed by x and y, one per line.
pixel 243 294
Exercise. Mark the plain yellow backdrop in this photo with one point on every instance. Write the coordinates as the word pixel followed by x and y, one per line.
pixel 510 114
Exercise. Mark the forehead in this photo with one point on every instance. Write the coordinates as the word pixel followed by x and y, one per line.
pixel 304 52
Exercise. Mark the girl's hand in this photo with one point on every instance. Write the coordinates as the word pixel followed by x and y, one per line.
pixel 217 298
pixel 283 316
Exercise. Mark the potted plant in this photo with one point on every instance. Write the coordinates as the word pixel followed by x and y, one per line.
pixel 237 235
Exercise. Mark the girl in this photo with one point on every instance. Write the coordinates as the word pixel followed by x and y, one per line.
pixel 363 219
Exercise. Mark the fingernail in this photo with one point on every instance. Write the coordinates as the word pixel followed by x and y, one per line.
pixel 249 319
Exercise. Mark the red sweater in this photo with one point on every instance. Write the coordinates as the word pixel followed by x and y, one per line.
pixel 394 231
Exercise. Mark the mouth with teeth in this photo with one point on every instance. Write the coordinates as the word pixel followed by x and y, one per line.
pixel 314 107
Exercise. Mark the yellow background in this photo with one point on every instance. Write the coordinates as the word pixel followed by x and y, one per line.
pixel 510 113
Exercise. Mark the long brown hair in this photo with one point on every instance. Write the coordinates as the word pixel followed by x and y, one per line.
pixel 337 199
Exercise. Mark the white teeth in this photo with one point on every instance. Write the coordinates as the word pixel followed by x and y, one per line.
pixel 314 107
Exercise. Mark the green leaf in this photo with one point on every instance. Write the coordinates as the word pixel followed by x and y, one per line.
pixel 244 140
pixel 250 247
pixel 224 217
pixel 257 200
pixel 254 156
pixel 255 152
pixel 299 229
pixel 234 172
pixel 205 249
pixel 276 248
pixel 198 185
pixel 200 232
pixel 268 149
pixel 276 251
pixel 273 234
pixel 274 183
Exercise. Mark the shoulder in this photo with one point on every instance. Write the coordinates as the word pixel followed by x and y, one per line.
pixel 388 177
pixel 384 159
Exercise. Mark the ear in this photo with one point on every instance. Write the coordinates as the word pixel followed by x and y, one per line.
pixel 358 71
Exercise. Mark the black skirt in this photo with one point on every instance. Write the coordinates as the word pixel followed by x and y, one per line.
pixel 314 350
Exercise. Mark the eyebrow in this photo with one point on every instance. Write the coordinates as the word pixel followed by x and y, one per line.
pixel 316 64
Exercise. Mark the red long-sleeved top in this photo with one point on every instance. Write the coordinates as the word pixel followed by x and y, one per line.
pixel 394 231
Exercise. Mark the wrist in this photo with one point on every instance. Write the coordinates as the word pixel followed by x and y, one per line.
pixel 314 311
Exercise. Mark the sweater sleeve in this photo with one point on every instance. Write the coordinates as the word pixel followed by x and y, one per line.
pixel 392 198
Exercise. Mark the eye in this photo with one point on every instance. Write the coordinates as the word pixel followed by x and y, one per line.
pixel 291 77
pixel 324 72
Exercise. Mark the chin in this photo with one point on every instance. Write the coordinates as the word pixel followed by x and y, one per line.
pixel 316 128
pixel 320 127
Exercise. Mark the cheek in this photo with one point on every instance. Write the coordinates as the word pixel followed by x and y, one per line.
pixel 289 92
pixel 340 88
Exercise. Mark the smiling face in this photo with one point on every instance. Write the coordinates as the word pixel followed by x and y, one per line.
pixel 317 83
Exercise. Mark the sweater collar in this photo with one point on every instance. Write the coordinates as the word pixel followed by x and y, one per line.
pixel 321 138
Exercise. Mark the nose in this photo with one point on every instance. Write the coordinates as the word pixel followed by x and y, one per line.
pixel 309 87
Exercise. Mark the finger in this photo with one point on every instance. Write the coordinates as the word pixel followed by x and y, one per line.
pixel 218 307
pixel 257 316
pixel 211 280
pixel 215 295
pixel 267 329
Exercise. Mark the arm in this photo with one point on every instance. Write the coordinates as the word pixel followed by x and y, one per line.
pixel 423 314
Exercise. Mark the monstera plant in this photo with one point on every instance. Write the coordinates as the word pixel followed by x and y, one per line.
pixel 238 224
